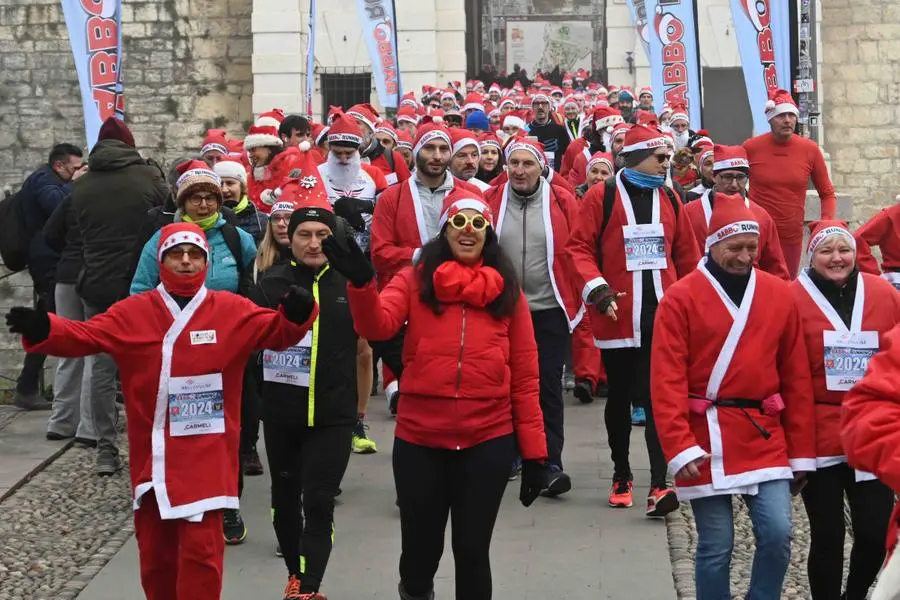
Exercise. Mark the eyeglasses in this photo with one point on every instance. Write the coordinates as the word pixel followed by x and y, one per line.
pixel 193 252
pixel 662 158
pixel 733 177
pixel 462 222
pixel 198 199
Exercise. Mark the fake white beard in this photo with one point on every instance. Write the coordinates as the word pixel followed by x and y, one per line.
pixel 665 127
pixel 259 173
pixel 607 141
pixel 343 176
pixel 681 139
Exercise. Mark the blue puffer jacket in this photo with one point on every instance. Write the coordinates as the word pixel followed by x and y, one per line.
pixel 42 192
pixel 222 273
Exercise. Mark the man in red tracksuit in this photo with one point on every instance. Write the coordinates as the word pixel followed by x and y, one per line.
pixel 182 369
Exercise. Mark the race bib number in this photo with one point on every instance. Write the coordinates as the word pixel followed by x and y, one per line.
pixel 847 356
pixel 391 178
pixel 645 247
pixel 551 158
pixel 196 405
pixel 290 367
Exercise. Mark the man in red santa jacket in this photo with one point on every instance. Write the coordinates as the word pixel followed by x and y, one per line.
pixel 182 371
pixel 731 170
pixel 534 220
pixel 733 401
pixel 631 242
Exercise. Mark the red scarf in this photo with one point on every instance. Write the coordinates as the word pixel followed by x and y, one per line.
pixel 185 286
pixel 476 285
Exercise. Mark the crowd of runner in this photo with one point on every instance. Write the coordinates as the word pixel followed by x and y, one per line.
pixel 479 245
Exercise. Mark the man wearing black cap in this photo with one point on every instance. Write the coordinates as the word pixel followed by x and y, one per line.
pixel 309 403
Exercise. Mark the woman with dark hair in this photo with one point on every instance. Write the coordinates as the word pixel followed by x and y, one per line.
pixel 470 391
pixel 492 162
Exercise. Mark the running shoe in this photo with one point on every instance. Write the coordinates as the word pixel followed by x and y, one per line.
pixel 278 551
pixel 360 442
pixel 568 380
pixel 638 416
pixel 392 403
pixel 584 391
pixel 233 527
pixel 560 483
pixel 621 494
pixel 252 464
pixel 292 589
pixel 602 390
pixel 516 469
pixel 661 501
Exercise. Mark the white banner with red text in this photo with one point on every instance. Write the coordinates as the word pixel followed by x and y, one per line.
pixel 638 11
pixel 379 29
pixel 675 56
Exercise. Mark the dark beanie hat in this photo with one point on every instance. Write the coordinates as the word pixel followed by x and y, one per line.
pixel 114 129
pixel 311 213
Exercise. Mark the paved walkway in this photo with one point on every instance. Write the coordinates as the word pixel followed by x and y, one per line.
pixel 570 548
pixel 23 446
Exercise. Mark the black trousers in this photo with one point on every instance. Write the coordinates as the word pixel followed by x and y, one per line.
pixel 871 503
pixel 465 485
pixel 306 465
pixel 628 378
pixel 30 377
pixel 551 333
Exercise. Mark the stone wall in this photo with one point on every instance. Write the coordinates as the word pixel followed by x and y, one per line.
pixel 186 68
pixel 861 99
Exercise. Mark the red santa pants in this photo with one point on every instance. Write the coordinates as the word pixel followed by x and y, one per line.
pixel 793 252
pixel 586 362
pixel 179 560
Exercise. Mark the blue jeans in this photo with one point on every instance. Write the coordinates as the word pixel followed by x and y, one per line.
pixel 770 513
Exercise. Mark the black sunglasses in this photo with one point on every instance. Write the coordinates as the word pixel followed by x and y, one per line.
pixel 662 158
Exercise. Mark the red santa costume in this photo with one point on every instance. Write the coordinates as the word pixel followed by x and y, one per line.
pixel 604 121
pixel 461 139
pixel 394 169
pixel 263 179
pixel 882 230
pixel 710 355
pixel 182 371
pixel 734 158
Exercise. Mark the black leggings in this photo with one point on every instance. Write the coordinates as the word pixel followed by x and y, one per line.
pixel 628 378
pixel 466 485
pixel 871 503
pixel 308 463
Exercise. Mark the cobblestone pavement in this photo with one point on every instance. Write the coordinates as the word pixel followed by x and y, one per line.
pixel 59 529
pixel 683 546
pixel 8 414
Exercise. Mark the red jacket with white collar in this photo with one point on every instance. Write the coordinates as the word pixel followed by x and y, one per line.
pixel 681 251
pixel 559 210
pixel 467 378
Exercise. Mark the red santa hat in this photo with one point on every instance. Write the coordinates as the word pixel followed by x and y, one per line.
pixel 194 174
pixel 404 140
pixel 488 139
pixel 642 137
pixel 570 100
pixel 780 102
pixel 307 189
pixel 509 100
pixel 680 113
pixel 539 97
pixel 231 168
pixel 408 115
pixel 495 87
pixel 385 127
pixel 533 147
pixel 605 118
pixel 448 94
pixel 272 118
pixel 601 157
pixel 645 90
pixel 345 130
pixel 214 142
pixel 730 158
pixel 666 110
pixel 645 117
pixel 460 138
pixel 318 132
pixel 282 206
pixel 333 113
pixel 701 141
pixel 613 89
pixel 730 216
pixel 262 135
pixel 515 119
pixel 429 133
pixel 365 113
pixel 706 152
pixel 409 99
pixel 473 101
pixel 175 234
pixel 458 200
pixel 820 230
pixel 619 129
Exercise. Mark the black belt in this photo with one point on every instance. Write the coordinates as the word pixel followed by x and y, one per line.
pixel 743 404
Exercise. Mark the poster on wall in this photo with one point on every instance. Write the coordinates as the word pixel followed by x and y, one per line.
pixel 544 45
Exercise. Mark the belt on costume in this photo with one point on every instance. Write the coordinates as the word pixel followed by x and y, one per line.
pixel 741 404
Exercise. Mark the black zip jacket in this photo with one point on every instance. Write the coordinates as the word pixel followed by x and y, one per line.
pixel 841 299
pixel 333 400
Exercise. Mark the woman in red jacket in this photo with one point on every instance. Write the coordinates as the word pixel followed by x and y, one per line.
pixel 845 315
pixel 470 391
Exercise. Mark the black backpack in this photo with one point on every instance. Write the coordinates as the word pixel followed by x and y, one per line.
pixel 14 236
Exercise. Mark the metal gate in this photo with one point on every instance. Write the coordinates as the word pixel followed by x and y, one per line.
pixel 344 87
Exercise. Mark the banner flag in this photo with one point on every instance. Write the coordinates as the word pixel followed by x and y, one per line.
pixel 639 20
pixel 675 57
pixel 310 58
pixel 762 30
pixel 379 28
pixel 95 31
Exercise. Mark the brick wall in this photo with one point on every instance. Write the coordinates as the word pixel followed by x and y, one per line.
pixel 861 88
pixel 186 68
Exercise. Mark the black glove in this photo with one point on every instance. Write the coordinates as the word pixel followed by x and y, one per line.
pixel 33 324
pixel 298 304
pixel 352 210
pixel 602 296
pixel 350 262
pixel 535 479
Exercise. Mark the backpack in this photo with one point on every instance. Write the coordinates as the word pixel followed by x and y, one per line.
pixel 14 236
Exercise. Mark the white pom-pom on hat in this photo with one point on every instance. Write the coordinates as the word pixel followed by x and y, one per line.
pixel 770 105
pixel 305 146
